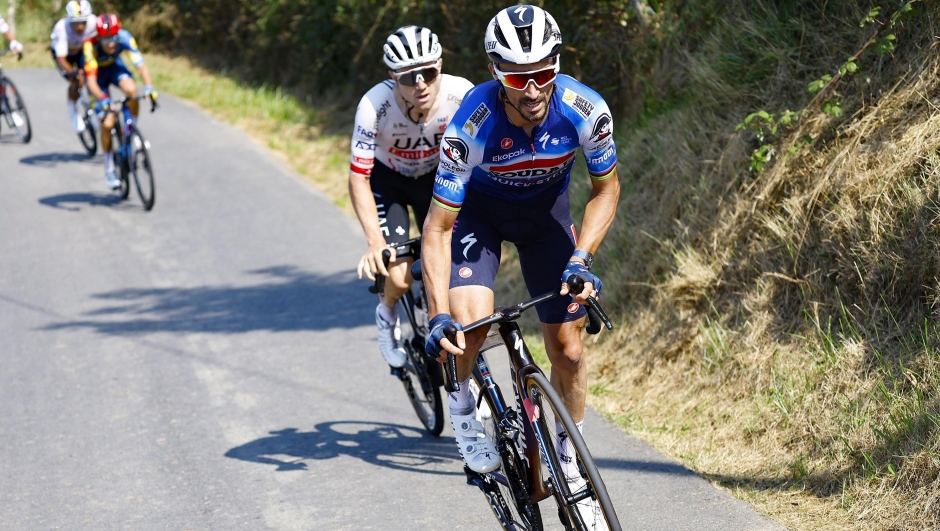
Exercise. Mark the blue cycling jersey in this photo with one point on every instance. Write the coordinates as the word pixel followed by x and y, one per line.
pixel 483 150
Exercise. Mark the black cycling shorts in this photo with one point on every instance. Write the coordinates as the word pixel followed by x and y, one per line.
pixel 394 193
pixel 75 60
pixel 543 233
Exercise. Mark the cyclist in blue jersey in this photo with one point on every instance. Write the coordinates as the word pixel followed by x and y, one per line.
pixel 506 160
pixel 104 67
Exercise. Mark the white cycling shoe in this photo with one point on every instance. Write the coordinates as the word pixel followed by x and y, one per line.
pixel 390 341
pixel 475 446
pixel 113 181
pixel 78 124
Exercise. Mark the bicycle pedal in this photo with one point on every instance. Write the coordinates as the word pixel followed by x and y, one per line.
pixel 397 372
pixel 473 478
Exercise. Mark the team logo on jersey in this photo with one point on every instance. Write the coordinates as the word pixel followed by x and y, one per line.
pixel 367 146
pixel 455 149
pixel 480 114
pixel 532 170
pixel 506 143
pixel 573 307
pixel 465 272
pixel 578 103
pixel 603 128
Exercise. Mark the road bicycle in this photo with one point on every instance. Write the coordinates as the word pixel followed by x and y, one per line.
pixel 526 433
pixel 12 106
pixel 132 153
pixel 420 376
pixel 88 137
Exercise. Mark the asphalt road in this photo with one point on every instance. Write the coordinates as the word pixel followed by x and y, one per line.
pixel 212 364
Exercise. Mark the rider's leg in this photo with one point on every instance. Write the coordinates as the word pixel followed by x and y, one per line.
pixel 129 88
pixel 569 370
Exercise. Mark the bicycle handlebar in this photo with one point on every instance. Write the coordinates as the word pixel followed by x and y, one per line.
pixel 19 55
pixel 506 314
pixel 153 102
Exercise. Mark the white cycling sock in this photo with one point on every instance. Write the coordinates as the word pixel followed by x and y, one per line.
pixel 389 313
pixel 461 402
pixel 108 161
pixel 565 451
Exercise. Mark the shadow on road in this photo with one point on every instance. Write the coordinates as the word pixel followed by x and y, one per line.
pixel 288 299
pixel 51 160
pixel 651 467
pixel 62 201
pixel 385 445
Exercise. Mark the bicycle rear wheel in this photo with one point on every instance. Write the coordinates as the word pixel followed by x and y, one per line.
pixel 16 114
pixel 418 378
pixel 509 500
pixel 141 169
pixel 583 502
pixel 87 137
pixel 120 162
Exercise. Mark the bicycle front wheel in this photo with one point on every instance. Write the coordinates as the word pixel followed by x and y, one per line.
pixel 579 491
pixel 418 378
pixel 16 114
pixel 141 169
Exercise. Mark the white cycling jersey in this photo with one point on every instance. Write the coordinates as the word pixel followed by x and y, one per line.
pixel 66 42
pixel 383 132
pixel 4 27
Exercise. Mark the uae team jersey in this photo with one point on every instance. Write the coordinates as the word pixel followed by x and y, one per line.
pixel 383 133
pixel 66 42
pixel 483 150
pixel 4 27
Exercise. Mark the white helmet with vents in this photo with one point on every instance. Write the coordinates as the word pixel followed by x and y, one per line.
pixel 411 46
pixel 78 11
pixel 522 35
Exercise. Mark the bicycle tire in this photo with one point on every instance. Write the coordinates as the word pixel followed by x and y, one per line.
pixel 418 380
pixel 16 114
pixel 511 479
pixel 120 162
pixel 87 137
pixel 548 409
pixel 141 169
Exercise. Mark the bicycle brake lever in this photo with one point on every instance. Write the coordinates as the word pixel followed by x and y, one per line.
pixel 594 306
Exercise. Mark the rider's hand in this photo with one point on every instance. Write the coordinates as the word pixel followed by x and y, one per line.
pixel 593 282
pixel 102 106
pixel 16 46
pixel 437 345
pixel 371 262
pixel 72 75
pixel 150 93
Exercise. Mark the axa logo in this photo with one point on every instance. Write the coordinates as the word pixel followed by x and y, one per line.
pixel 365 145
pixel 603 128
pixel 469 240
pixel 455 149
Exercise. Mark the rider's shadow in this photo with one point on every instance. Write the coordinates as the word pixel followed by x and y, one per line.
pixel 387 445
pixel 51 160
pixel 71 202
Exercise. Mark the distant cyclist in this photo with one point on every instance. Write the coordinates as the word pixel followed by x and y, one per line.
pixel 103 68
pixel 395 151
pixel 5 29
pixel 68 34
pixel 506 161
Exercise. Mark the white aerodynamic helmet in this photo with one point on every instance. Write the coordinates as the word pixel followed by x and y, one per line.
pixel 78 11
pixel 410 46
pixel 522 35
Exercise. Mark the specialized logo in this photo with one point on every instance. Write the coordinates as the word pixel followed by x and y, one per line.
pixel 603 128
pixel 469 240
pixel 544 138
pixel 454 149
pixel 517 16
pixel 506 143
pixel 479 115
pixel 573 307
pixel 465 272
pixel 577 102
pixel 518 344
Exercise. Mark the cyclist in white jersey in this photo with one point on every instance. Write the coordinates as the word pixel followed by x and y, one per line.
pixel 68 34
pixel 5 29
pixel 395 151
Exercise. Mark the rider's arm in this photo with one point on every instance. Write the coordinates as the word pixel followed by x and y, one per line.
pixel 91 70
pixel 361 162
pixel 145 74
